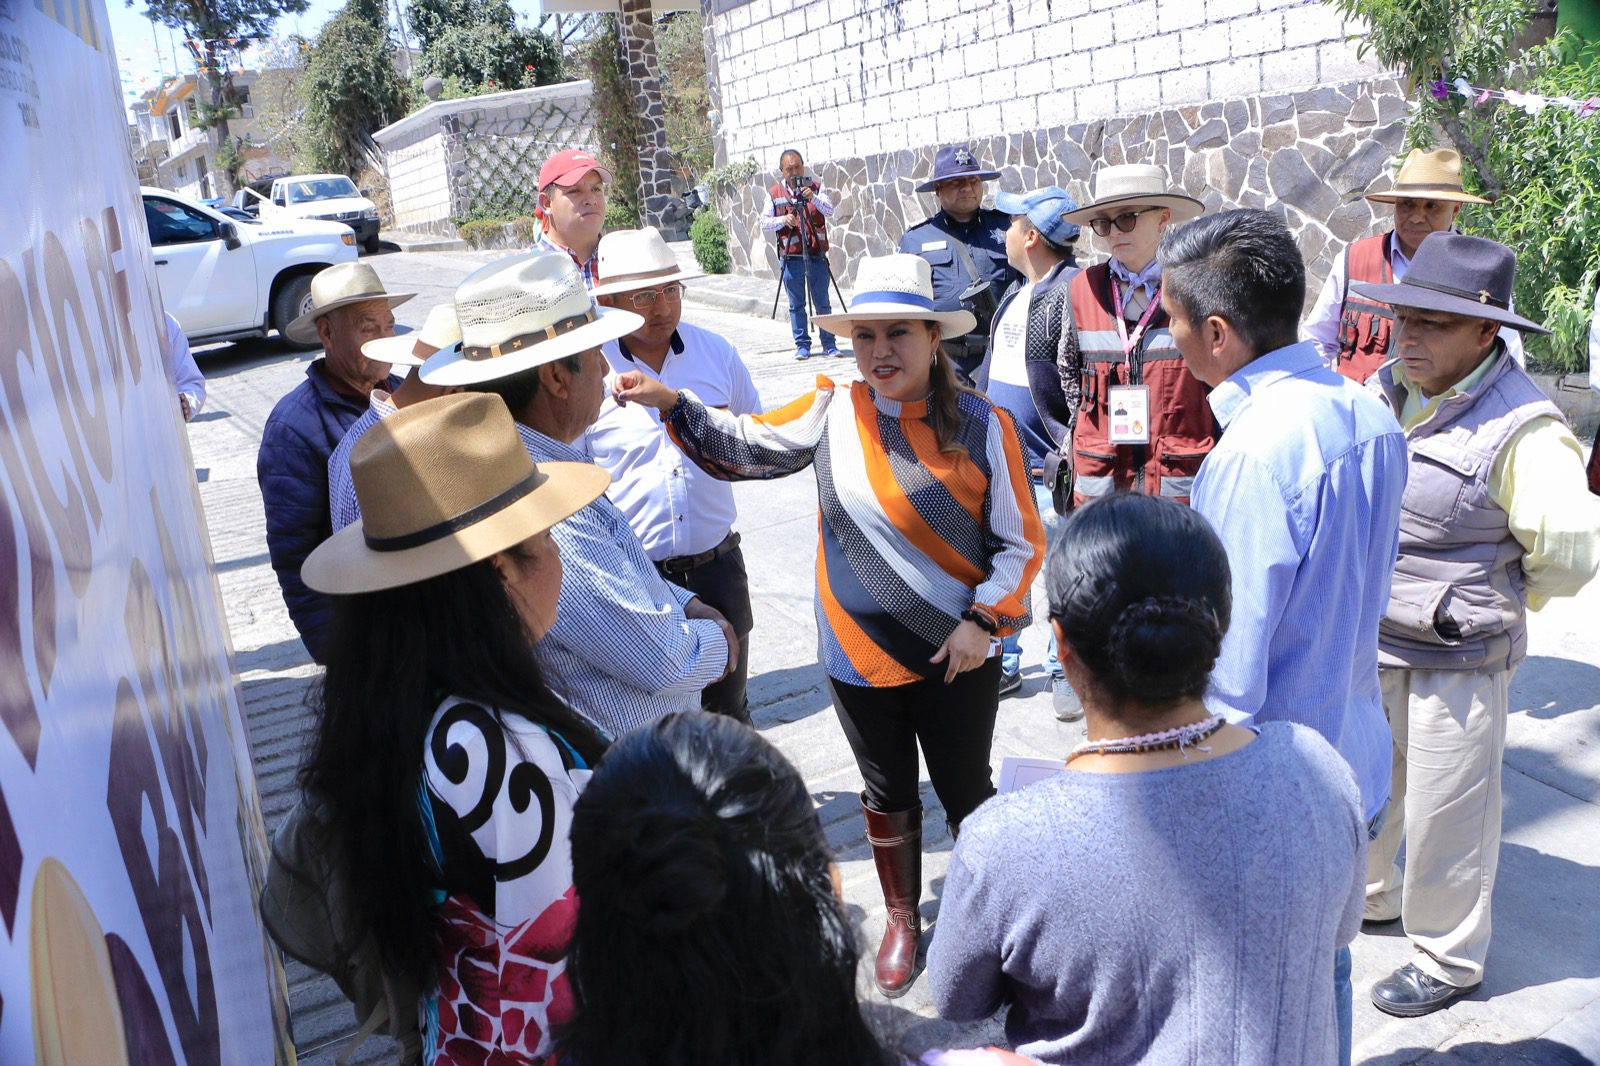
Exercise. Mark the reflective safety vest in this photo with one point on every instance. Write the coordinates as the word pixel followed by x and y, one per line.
pixel 789 236
pixel 1366 327
pixel 1182 428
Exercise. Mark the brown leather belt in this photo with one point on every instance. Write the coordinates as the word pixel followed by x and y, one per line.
pixel 682 564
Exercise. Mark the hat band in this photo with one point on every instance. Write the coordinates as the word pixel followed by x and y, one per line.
pixel 1481 296
pixel 640 275
pixel 886 297
pixel 1428 186
pixel 440 530
pixel 478 353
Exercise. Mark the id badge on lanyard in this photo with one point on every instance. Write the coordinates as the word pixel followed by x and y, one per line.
pixel 1129 405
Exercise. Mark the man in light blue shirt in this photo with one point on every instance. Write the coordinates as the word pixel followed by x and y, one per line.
pixel 1304 489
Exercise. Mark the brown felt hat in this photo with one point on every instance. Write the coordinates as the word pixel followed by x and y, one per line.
pixel 443 484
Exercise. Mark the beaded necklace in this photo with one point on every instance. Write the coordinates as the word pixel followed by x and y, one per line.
pixel 1180 738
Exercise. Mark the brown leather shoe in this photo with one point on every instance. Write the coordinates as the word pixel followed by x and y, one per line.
pixel 896 839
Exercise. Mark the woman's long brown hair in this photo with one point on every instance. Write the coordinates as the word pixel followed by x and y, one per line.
pixel 944 405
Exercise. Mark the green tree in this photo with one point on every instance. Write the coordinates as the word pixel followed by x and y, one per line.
pixel 349 87
pixel 215 31
pixel 685 90
pixel 479 43
pixel 616 122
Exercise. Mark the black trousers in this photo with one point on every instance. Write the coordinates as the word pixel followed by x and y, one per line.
pixel 954 724
pixel 723 584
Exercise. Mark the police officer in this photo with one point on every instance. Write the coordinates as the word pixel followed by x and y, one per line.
pixel 965 243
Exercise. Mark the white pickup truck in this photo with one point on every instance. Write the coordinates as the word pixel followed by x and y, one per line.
pixel 223 279
pixel 329 197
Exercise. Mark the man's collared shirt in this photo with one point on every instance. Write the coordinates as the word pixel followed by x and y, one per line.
pixel 342 503
pixel 589 268
pixel 772 222
pixel 1538 480
pixel 1304 489
pixel 1321 326
pixel 620 652
pixel 674 507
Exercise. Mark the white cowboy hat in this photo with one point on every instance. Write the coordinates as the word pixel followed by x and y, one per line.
pixel 442 484
pixel 893 287
pixel 1135 185
pixel 339 286
pixel 521 312
pixel 440 331
pixel 1434 175
pixel 632 259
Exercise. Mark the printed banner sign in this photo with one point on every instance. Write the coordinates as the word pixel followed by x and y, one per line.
pixel 131 841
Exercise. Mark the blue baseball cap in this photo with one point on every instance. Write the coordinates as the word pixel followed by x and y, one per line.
pixel 1044 208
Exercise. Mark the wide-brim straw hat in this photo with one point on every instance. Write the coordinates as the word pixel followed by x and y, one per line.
pixel 1135 185
pixel 439 331
pixel 521 312
pixel 630 259
pixel 1434 175
pixel 339 286
pixel 1458 275
pixel 889 288
pixel 443 484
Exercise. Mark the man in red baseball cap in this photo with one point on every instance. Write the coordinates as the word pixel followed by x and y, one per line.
pixel 572 204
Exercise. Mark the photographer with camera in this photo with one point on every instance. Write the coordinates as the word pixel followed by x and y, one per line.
pixel 965 243
pixel 797 214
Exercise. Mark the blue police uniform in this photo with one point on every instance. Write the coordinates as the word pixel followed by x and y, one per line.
pixel 934 239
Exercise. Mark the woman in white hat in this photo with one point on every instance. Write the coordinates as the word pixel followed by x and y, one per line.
pixel 929 541
pixel 446 767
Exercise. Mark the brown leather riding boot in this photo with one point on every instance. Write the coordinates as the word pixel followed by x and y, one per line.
pixel 896 839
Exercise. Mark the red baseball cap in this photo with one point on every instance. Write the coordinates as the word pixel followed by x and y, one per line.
pixel 568 166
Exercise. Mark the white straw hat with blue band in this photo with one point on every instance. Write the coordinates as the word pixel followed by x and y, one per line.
pixel 890 288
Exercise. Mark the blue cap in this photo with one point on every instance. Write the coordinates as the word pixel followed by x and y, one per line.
pixel 1044 208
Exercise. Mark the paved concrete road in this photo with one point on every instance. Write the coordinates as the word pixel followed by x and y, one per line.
pixel 1540 1003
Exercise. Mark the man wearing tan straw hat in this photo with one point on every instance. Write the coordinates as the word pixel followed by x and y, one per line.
pixel 349 307
pixel 1495 521
pixel 683 516
pixel 1354 334
pixel 1142 423
pixel 626 646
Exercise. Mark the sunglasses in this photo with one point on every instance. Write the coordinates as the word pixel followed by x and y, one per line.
pixel 1124 222
pixel 647 299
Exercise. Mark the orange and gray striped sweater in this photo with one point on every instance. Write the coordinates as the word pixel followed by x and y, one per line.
pixel 909 537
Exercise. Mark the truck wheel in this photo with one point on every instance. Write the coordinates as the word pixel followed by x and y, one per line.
pixel 370 245
pixel 292 301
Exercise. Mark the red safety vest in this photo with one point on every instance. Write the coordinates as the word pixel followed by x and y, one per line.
pixel 1182 428
pixel 789 236
pixel 1366 327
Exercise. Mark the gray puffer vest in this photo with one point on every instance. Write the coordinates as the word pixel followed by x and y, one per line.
pixel 1457 601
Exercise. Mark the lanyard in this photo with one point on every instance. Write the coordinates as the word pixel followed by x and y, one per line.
pixel 1129 344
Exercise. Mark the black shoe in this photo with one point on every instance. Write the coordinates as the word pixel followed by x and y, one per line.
pixel 1410 993
pixel 1010 683
pixel 1379 925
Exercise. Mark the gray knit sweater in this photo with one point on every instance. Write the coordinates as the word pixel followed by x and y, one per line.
pixel 1186 915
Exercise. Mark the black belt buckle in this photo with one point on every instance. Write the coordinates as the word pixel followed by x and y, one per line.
pixel 682 564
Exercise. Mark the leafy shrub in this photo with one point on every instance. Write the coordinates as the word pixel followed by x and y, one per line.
pixel 499 208
pixel 482 233
pixel 621 214
pixel 710 239
pixel 522 228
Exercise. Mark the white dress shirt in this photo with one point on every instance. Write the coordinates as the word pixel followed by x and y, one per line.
pixel 675 507
pixel 1321 326
pixel 184 371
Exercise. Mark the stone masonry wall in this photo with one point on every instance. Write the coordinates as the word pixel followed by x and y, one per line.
pixel 1246 102
pixel 1309 155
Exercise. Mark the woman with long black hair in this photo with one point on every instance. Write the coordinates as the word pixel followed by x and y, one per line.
pixel 446 768
pixel 929 538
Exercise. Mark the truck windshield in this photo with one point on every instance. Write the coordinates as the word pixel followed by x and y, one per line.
pixel 320 189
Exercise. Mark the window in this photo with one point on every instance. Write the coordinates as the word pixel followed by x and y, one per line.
pixel 320 189
pixel 172 125
pixel 173 223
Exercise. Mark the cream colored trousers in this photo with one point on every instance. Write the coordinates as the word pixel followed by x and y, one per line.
pixel 1449 739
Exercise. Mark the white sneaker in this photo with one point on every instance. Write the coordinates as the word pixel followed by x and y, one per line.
pixel 1064 700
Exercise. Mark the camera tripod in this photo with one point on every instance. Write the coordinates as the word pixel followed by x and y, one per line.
pixel 806 232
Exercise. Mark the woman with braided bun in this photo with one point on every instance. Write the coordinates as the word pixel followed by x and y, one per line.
pixel 711 932
pixel 1177 893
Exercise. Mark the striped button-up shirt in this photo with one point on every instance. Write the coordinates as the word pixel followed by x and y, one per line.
pixel 589 268
pixel 1304 489
pixel 910 536
pixel 621 651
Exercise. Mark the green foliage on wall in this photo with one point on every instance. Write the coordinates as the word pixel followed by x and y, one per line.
pixel 710 240
pixel 616 119
pixel 685 90
pixel 350 88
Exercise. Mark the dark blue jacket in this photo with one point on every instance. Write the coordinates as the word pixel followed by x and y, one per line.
pixel 292 470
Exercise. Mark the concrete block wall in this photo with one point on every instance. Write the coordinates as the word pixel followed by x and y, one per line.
pixel 841 79
pixel 419 179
